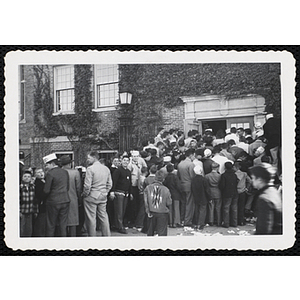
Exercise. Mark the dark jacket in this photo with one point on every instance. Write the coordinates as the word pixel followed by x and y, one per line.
pixel 228 184
pixel 200 189
pixel 272 132
pixel 269 211
pixel 40 196
pixel 121 180
pixel 173 184
pixel 57 186
pixel 207 162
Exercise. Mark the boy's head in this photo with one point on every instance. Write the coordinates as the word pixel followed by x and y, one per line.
pixel 39 173
pixel 144 170
pixel 153 169
pixel 160 145
pixel 27 177
pixel 198 170
pixel 262 175
pixel 215 166
pixel 228 165
pixel 237 165
pixel 170 168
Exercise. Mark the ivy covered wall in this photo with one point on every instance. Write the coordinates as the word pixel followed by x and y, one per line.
pixel 157 87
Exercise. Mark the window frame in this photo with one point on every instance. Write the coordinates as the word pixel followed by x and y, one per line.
pixel 55 108
pixel 106 107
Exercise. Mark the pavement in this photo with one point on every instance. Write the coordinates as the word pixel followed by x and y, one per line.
pixel 248 229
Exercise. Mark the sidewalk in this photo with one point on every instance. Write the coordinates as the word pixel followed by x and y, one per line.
pixel 248 229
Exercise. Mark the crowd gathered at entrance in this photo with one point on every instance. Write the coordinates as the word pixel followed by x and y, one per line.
pixel 223 178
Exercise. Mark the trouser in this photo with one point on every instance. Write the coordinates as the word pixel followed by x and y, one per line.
pixel 139 222
pixel 71 231
pixel 174 213
pixel 96 209
pixel 132 206
pixel 26 221
pixel 57 214
pixel 188 206
pixel 158 224
pixel 120 204
pixel 230 211
pixel 40 224
pixel 214 211
pixel 241 207
pixel 200 212
pixel 110 211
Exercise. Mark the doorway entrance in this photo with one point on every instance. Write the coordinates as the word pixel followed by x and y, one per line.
pixel 214 125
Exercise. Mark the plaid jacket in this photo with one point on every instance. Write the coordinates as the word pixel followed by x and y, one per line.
pixel 28 204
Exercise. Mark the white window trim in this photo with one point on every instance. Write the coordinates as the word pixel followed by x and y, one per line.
pixel 65 112
pixel 103 107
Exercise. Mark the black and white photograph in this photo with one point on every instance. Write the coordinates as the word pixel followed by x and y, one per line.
pixel 150 150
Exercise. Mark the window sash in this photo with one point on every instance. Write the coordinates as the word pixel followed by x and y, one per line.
pixel 107 85
pixel 107 94
pixel 64 89
pixel 65 100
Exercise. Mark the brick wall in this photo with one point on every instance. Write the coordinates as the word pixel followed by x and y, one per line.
pixel 26 126
pixel 173 117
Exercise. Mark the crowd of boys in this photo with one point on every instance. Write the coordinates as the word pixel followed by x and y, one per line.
pixel 215 179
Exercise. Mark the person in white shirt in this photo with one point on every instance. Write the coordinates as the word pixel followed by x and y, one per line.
pixel 232 136
pixel 221 160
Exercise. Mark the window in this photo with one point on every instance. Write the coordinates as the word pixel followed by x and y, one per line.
pixel 240 125
pixel 22 94
pixel 64 89
pixel 107 86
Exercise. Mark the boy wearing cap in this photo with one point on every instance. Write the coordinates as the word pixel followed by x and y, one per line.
pixel 202 195
pixel 74 194
pixel 28 205
pixel 56 188
pixel 268 199
pixel 157 199
pixel 207 161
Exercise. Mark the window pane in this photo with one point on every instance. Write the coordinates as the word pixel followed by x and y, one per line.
pixel 107 94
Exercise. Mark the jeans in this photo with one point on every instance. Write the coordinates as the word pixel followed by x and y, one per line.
pixel 214 211
pixel 200 212
pixel 26 225
pixel 188 206
pixel 158 224
pixel 57 214
pixel 40 225
pixel 96 208
pixel 120 204
pixel 241 207
pixel 230 211
pixel 175 212
pixel 132 206
pixel 139 222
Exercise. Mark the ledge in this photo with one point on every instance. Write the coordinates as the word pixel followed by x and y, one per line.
pixel 105 108
pixel 72 112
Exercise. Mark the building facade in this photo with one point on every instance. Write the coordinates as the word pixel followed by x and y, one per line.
pixel 71 109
